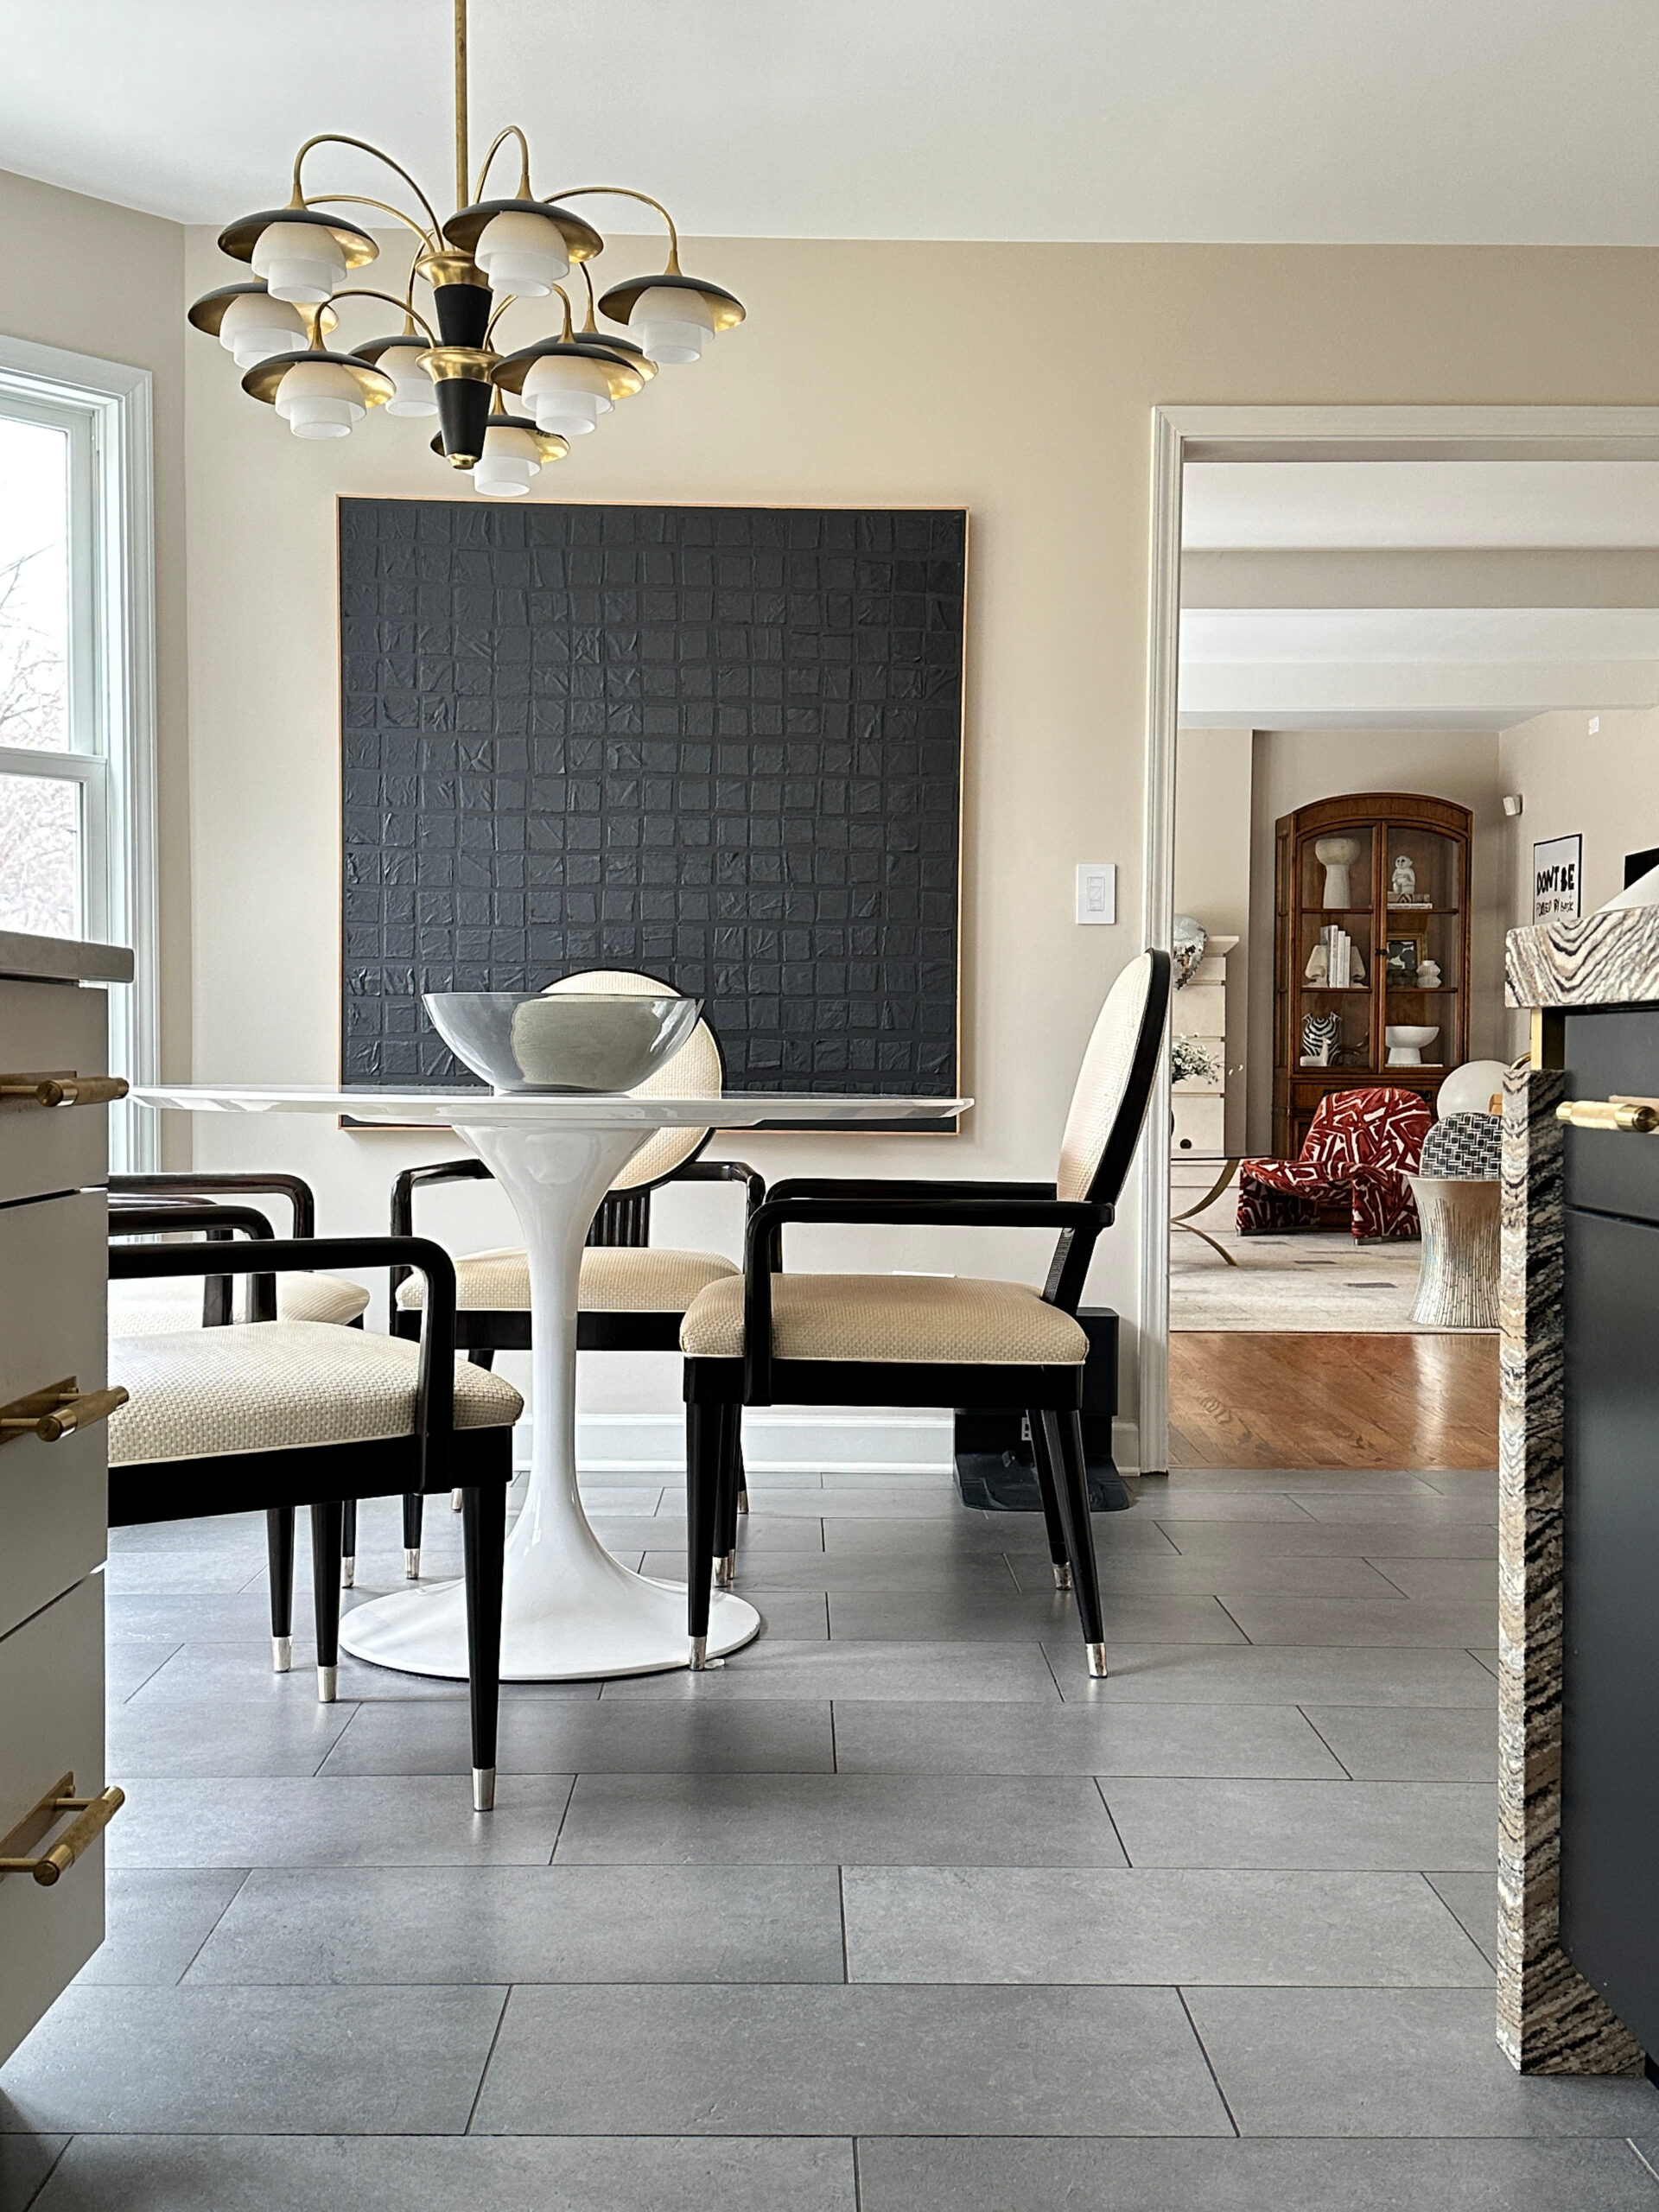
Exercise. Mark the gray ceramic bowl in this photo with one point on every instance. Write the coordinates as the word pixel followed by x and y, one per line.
pixel 567 1041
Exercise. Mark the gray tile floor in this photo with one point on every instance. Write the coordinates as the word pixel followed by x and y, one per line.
pixel 899 1912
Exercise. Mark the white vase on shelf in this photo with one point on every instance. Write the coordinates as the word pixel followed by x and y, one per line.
pixel 1337 855
pixel 1406 1041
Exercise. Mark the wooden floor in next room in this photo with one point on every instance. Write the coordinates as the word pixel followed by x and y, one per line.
pixel 1247 1399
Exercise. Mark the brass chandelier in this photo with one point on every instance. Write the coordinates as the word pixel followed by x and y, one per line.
pixel 489 255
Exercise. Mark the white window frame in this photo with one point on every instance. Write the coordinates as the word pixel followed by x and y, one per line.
pixel 105 408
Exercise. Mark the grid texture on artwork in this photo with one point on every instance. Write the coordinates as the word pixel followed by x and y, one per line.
pixel 721 746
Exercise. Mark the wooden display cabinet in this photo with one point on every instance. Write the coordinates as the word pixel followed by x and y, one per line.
pixel 1434 836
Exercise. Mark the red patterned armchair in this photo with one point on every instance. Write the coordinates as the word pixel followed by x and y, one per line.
pixel 1359 1151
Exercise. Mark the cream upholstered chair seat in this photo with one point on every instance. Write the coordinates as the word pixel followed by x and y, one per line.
pixel 952 1319
pixel 615 1279
pixel 278 1386
pixel 161 1306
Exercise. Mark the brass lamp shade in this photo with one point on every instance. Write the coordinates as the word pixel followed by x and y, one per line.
pixel 624 375
pixel 582 241
pixel 239 239
pixel 208 312
pixel 620 300
pixel 261 382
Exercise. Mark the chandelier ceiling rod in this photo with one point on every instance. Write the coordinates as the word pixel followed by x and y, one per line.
pixel 491 255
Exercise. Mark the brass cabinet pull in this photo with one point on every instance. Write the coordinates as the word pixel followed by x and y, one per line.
pixel 68 1090
pixel 52 1414
pixel 16 1855
pixel 1639 1116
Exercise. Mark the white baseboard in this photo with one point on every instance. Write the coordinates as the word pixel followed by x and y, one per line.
pixel 789 1441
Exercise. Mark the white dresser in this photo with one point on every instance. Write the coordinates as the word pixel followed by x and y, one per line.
pixel 53 1493
pixel 1199 1010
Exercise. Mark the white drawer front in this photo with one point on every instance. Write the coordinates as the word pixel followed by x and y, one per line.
pixel 54 1497
pixel 50 1029
pixel 51 1723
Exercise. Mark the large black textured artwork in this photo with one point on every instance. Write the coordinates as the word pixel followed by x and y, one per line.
pixel 720 745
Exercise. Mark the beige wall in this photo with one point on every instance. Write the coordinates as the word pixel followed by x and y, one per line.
pixel 1603 787
pixel 1213 877
pixel 79 273
pixel 869 372
pixel 1294 767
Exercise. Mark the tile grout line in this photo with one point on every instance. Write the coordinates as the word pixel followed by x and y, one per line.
pixel 1250 1640
pixel 841 1906
pixel 1100 1792
pixel 858 2181
pixel 1180 1997
pixel 484 2071
pixel 36 2195
pixel 1341 1762
pixel 1641 2155
pixel 247 1875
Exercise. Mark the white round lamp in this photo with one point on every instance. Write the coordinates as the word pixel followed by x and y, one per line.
pixel 522 253
pixel 303 261
pixel 1470 1089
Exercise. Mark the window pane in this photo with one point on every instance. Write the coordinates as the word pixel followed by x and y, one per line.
pixel 40 855
pixel 34 584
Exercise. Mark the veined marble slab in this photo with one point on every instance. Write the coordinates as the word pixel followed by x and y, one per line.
pixel 1598 960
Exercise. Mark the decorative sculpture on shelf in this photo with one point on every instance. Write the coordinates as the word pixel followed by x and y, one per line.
pixel 1406 1042
pixel 1320 1033
pixel 1187 944
pixel 1337 855
pixel 1319 965
pixel 1429 975
pixel 1402 884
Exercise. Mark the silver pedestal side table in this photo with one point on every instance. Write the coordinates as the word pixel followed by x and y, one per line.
pixel 1457 1288
pixel 570 1612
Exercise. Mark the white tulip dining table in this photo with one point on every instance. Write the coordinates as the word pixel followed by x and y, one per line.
pixel 570 1611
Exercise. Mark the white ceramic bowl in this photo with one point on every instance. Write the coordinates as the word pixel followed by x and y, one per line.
pixel 582 1041
pixel 1404 1041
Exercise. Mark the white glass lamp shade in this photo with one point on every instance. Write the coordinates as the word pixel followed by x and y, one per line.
pixel 567 393
pixel 523 254
pixel 299 261
pixel 320 399
pixel 508 461
pixel 1470 1089
pixel 254 326
pixel 414 394
pixel 672 324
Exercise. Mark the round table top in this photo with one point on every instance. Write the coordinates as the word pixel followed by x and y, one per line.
pixel 484 1108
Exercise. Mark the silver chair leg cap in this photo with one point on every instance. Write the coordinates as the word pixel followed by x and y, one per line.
pixel 281 1654
pixel 701 1662
pixel 483 1788
pixel 347 1572
pixel 1062 1577
pixel 455 1499
pixel 327 1684
pixel 412 1563
pixel 1095 1656
pixel 726 1569
pixel 742 1501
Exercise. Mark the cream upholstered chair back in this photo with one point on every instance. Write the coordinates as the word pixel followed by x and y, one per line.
pixel 696 1071
pixel 1114 1083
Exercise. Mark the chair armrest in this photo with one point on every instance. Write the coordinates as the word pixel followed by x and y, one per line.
pixel 183 1217
pixel 193 1182
pixel 726 1170
pixel 434 1389
pixel 763 1244
pixel 402 1198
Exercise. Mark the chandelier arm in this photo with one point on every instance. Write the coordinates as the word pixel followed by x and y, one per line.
pixel 489 327
pixel 592 322
pixel 407 307
pixel 362 200
pixel 628 191
pixel 500 140
pixel 339 138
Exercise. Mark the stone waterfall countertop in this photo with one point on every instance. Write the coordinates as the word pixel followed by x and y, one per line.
pixel 62 959
pixel 1597 960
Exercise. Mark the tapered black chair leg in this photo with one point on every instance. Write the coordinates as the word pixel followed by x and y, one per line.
pixel 348 1544
pixel 484 1529
pixel 279 1550
pixel 1059 1550
pixel 1064 1432
pixel 742 1472
pixel 725 1510
pixel 414 1513
pixel 703 1426
pixel 324 1587
pixel 479 1356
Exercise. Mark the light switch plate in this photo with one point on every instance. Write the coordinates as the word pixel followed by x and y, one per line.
pixel 1096 890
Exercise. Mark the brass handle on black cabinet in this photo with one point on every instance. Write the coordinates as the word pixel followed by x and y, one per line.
pixel 54 1413
pixel 1637 1116
pixel 46 1867
pixel 69 1090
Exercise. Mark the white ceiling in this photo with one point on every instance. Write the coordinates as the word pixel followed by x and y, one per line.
pixel 1483 120
pixel 1324 506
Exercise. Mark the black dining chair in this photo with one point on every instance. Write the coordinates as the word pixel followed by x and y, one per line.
pixel 273 1414
pixel 772 1338
pixel 633 1294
